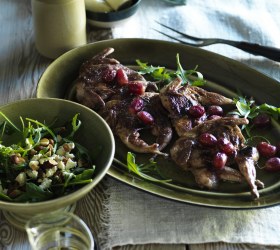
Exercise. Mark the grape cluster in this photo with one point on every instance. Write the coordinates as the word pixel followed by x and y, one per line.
pixel 271 153
pixel 266 150
pixel 221 147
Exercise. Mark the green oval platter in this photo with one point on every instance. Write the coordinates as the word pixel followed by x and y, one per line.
pixel 223 75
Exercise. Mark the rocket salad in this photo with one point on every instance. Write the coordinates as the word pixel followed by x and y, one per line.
pixel 44 163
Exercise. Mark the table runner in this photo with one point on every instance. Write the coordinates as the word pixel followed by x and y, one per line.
pixel 134 217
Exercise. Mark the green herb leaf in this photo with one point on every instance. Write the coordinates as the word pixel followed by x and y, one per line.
pixel 9 121
pixel 4 197
pixel 157 73
pixel 141 170
pixel 180 71
pixel 86 175
pixel 243 107
pixel 271 110
pixel 76 123
pixel 34 193
pixel 247 108
pixel 161 74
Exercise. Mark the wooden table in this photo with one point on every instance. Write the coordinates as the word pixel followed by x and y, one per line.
pixel 20 69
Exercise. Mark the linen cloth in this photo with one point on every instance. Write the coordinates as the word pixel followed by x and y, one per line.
pixel 136 217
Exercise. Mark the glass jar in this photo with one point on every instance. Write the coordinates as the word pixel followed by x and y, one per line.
pixel 59 230
pixel 59 25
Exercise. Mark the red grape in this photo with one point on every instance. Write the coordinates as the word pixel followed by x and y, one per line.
pixel 145 117
pixel 226 146
pixel 272 164
pixel 215 110
pixel 108 74
pixel 136 88
pixel 265 149
pixel 219 160
pixel 136 105
pixel 261 120
pixel 197 111
pixel 122 78
pixel 207 139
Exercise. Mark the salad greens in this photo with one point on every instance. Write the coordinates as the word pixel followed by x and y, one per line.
pixel 142 169
pixel 148 171
pixel 44 163
pixel 247 108
pixel 164 76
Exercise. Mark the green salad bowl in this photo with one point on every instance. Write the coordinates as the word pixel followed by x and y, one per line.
pixel 94 134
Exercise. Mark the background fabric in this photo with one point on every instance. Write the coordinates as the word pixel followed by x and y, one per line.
pixel 135 217
pixel 248 20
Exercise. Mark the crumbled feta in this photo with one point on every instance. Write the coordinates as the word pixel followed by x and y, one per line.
pixel 34 165
pixel 36 157
pixel 44 159
pixel 61 165
pixel 58 158
pixel 21 178
pixel 51 171
pixel 46 183
pixel 69 155
pixel 32 173
pixel 60 151
pixel 52 161
pixel 70 164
